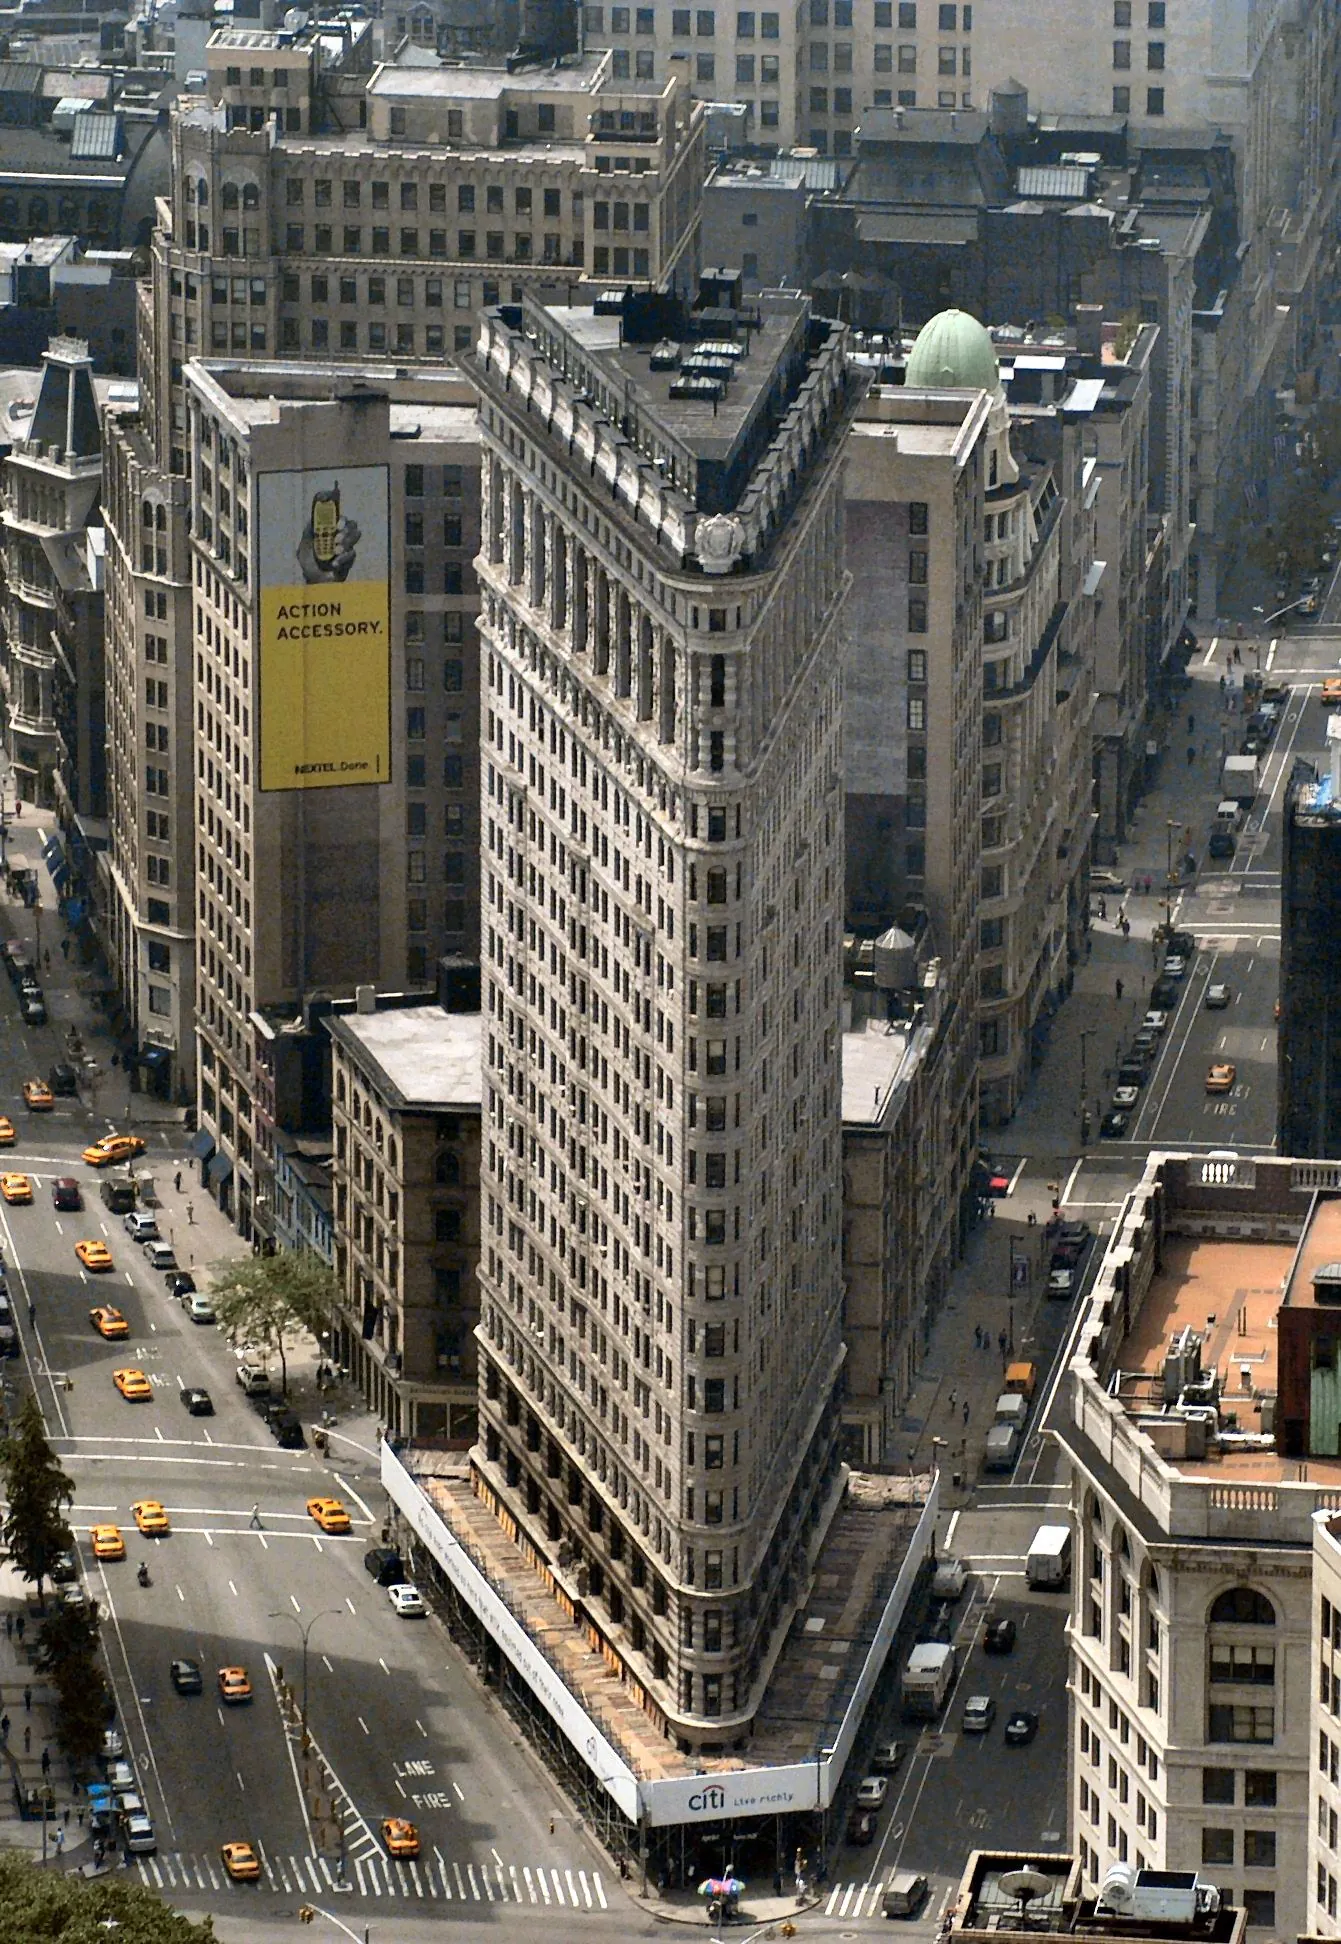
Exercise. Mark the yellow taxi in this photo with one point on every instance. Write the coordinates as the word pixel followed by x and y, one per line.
pixel 38 1096
pixel 95 1256
pixel 150 1516
pixel 133 1385
pixel 401 1837
pixel 16 1188
pixel 112 1148
pixel 241 1862
pixel 1221 1078
pixel 329 1514
pixel 107 1542
pixel 7 1134
pixel 108 1321
pixel 234 1684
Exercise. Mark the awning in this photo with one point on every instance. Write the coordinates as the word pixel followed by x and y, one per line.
pixel 217 1170
pixel 201 1144
pixel 54 859
pixel 157 1056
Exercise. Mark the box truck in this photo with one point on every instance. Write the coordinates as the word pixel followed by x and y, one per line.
pixel 1047 1566
pixel 1240 778
pixel 927 1676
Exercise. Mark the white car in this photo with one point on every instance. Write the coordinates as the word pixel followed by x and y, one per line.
pixel 1175 967
pixel 978 1712
pixel 1217 997
pixel 407 1600
pixel 872 1793
pixel 138 1832
pixel 1061 1282
pixel 1156 1021
pixel 200 1309
pixel 949 1580
pixel 1125 1097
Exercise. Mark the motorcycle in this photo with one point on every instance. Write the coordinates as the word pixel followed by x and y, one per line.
pixel 143 1574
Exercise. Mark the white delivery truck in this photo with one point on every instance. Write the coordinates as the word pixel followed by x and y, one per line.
pixel 1048 1564
pixel 1002 1447
pixel 927 1676
pixel 1240 778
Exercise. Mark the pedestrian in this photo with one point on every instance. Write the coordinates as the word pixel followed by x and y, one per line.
pixel 1222 685
pixel 1118 988
pixel 67 1815
pixel 9 1626
pixel 32 1314
pixel 1191 725
pixel 60 1841
pixel 177 1182
pixel 19 1626
pixel 1126 926
pixel 1191 755
pixel 65 943
pixel 977 1336
pixel 4 1728
pixel 954 1399
pixel 966 1410
pixel 27 1700
pixel 1001 1342
pixel 191 1213
pixel 256 1518
pixel 46 1761
pixel 1103 909
pixel 27 1739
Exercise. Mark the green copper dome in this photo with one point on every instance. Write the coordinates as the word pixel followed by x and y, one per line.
pixel 953 350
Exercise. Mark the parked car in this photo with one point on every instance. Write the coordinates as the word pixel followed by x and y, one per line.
pixel 998 1636
pixel 1113 1126
pixel 861 1827
pixel 871 1792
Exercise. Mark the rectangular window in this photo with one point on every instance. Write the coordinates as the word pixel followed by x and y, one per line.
pixel 1154 105
pixel 917 664
pixel 1259 1849
pixel 1228 1723
pixel 1154 54
pixel 917 713
pixel 917 568
pixel 1121 53
pixel 1122 101
pixel 917 614
pixel 1259 1788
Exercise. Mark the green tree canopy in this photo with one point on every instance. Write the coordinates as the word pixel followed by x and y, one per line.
pixel 81 1710
pixel 262 1300
pixel 37 1491
pixel 37 1903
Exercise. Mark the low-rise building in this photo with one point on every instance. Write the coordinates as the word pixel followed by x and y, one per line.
pixel 1016 1897
pixel 406 1179
pixel 905 1179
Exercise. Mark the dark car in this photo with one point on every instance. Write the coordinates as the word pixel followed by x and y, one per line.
pixel 1133 1072
pixel 63 1569
pixel 62 1078
pixel 998 1636
pixel 1222 843
pixel 186 1677
pixel 385 1564
pixel 937 1630
pixel 1069 1244
pixel 65 1193
pixel 181 1283
pixel 1021 1726
pixel 198 1401
pixel 1113 1126
pixel 861 1827
pixel 32 1009
pixel 1165 993
pixel 287 1431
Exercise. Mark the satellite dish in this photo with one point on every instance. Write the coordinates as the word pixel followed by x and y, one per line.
pixel 1025 1884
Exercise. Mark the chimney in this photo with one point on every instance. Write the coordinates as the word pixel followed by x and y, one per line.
pixel 1090 329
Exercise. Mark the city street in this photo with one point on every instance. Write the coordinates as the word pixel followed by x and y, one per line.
pixel 404 1728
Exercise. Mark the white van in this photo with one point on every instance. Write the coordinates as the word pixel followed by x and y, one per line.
pixel 1011 1408
pixel 1002 1447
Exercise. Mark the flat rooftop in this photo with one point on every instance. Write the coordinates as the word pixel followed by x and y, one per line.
pixel 421 1056
pixel 874 1056
pixel 816 1671
pixel 580 75
pixel 709 427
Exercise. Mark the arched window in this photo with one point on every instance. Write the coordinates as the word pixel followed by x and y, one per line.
pixel 67 212
pixel 447 1170
pixel 340 1089
pixel 251 196
pixel 202 192
pixel 1243 1606
pixel 9 212
pixel 38 218
pixel 230 195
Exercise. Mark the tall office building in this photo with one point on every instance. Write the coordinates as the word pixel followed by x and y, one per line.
pixel 662 579
pixel 325 209
pixel 1308 1098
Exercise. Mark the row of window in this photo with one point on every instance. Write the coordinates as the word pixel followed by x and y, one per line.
pixel 498 246
pixel 1154 54
pixel 702 21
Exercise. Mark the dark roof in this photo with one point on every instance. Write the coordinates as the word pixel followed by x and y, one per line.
pixel 20 77
pixel 26 153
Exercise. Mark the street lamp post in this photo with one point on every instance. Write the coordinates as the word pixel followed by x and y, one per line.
pixel 1168 877
pixel 328 1613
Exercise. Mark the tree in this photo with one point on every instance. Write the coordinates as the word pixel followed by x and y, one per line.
pixel 37 1491
pixel 81 1710
pixel 260 1300
pixel 48 1904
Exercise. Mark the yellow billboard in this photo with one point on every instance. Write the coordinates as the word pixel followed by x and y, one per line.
pixel 325 644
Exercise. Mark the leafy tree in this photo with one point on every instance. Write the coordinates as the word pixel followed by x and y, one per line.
pixel 81 1710
pixel 37 1903
pixel 37 1491
pixel 261 1300
pixel 68 1637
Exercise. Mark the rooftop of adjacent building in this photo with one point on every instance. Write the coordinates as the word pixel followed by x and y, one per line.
pixel 426 403
pixel 419 1058
pixel 1185 1340
pixel 582 74
pixel 1315 794
pixel 892 998
pixel 1018 1896
pixel 930 424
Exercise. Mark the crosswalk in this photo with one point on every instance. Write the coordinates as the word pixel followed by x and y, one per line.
pixel 856 1899
pixel 375 1875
